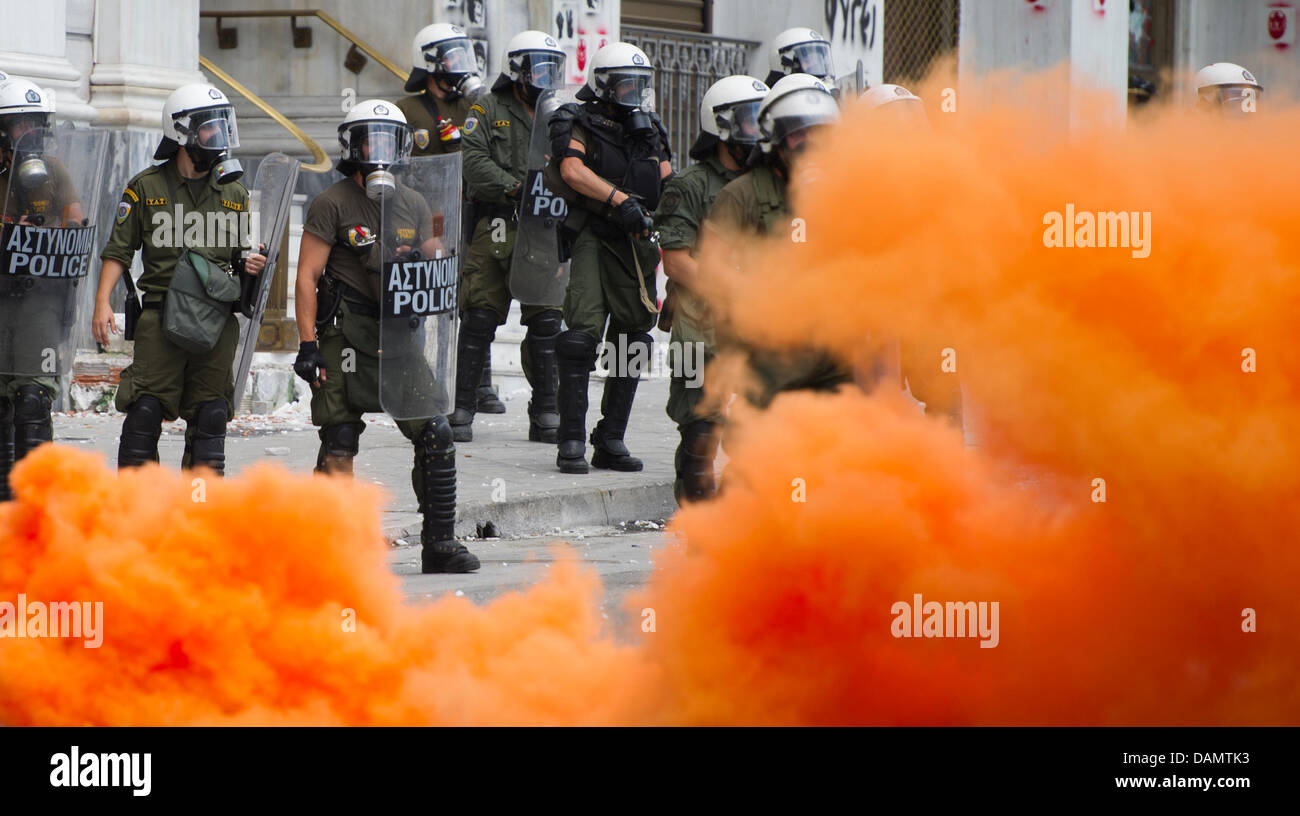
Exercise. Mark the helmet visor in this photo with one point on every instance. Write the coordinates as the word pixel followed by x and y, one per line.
pixel 740 122
pixel 542 69
pixel 1237 100
pixel 17 125
pixel 451 57
pixel 797 111
pixel 213 129
pixel 629 87
pixel 378 142
pixel 809 58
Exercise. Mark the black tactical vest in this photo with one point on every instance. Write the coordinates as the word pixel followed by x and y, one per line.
pixel 628 161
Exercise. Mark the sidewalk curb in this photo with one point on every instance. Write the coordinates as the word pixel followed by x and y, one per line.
pixel 538 514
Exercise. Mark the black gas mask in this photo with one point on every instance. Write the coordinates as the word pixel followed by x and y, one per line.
pixel 218 161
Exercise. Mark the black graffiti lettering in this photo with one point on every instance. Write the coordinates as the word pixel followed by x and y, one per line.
pixel 859 18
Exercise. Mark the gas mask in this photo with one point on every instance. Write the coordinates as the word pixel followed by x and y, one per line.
pixel 380 183
pixel 31 171
pixel 467 85
pixel 638 123
pixel 218 161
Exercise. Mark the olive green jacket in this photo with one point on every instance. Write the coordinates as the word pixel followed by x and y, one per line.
pixel 495 147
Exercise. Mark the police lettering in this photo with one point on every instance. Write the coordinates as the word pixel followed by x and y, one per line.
pixel 421 288
pixel 542 202
pixel 49 252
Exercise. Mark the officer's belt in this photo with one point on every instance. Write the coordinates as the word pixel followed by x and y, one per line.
pixel 157 300
pixel 482 210
pixel 358 303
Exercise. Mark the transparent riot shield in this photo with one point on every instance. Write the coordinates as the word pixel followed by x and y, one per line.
pixel 48 247
pixel 419 271
pixel 270 199
pixel 537 277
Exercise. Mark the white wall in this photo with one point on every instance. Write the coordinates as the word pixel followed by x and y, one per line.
pixel 1014 34
pixel 1235 31
pixel 855 28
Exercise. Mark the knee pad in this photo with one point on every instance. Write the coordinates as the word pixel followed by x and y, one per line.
pixel 210 419
pixel 341 440
pixel 482 322
pixel 32 405
pixel 435 436
pixel 578 347
pixel 144 417
pixel 546 324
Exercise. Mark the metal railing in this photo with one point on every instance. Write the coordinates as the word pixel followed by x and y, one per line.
pixel 321 162
pixel 685 66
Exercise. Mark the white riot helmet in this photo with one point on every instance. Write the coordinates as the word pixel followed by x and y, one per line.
pixel 897 102
pixel 1227 87
pixel 535 61
pixel 373 137
pixel 729 109
pixel 795 103
pixel 801 51
pixel 199 118
pixel 444 51
pixel 3 76
pixel 23 108
pixel 620 74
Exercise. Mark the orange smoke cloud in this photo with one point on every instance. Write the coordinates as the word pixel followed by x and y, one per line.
pixel 1077 364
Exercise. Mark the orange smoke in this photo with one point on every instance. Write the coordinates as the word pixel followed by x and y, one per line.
pixel 1076 364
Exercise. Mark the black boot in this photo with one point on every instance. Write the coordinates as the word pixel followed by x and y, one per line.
pixel 6 447
pixel 140 432
pixel 435 459
pixel 575 356
pixel 488 401
pixel 694 463
pixel 543 376
pixel 616 406
pixel 476 332
pixel 33 426
pixel 207 445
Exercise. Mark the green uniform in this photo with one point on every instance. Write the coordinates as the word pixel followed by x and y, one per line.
pixel 180 380
pixel 495 155
pixel 611 274
pixel 420 109
pixel 350 341
pixel 686 202
pixel 757 202
pixel 60 193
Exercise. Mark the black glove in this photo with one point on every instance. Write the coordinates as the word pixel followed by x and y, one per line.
pixel 632 218
pixel 310 364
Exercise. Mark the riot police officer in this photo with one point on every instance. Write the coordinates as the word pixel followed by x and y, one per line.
pixel 168 378
pixel 495 154
pixel 728 132
pixel 337 308
pixel 36 190
pixel 443 84
pixel 1227 89
pixel 801 51
pixel 758 202
pixel 613 156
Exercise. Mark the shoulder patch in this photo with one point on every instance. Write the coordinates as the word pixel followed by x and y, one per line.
pixel 669 203
pixel 477 108
pixel 471 124
pixel 421 137
pixel 131 193
pixel 123 210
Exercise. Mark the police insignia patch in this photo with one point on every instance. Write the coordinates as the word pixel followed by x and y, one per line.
pixel 471 125
pixel 422 138
pixel 668 204
pixel 123 210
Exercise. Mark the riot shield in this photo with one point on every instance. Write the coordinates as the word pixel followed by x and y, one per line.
pixel 419 267
pixel 48 247
pixel 270 197
pixel 537 277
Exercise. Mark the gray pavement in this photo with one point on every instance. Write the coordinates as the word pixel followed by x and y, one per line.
pixel 502 478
